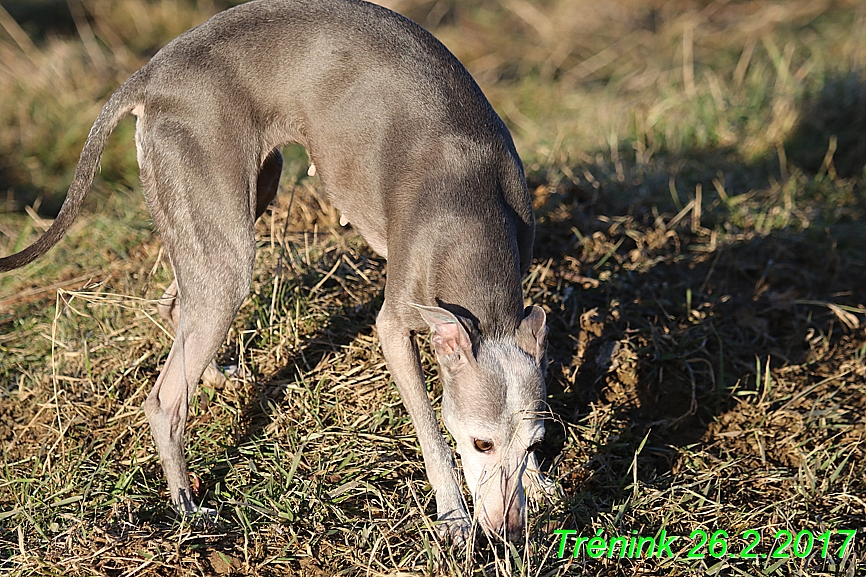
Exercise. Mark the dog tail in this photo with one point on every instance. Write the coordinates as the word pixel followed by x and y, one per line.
pixel 119 105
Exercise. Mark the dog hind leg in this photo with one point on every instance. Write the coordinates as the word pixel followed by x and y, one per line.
pixel 204 321
pixel 205 315
pixel 204 216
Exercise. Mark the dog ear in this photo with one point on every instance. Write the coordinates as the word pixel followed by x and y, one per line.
pixel 532 334
pixel 450 338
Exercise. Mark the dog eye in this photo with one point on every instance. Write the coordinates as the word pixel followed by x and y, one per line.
pixel 534 447
pixel 483 446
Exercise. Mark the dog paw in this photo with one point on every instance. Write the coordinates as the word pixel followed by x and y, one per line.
pixel 236 373
pixel 454 528
pixel 216 376
pixel 207 512
pixel 200 517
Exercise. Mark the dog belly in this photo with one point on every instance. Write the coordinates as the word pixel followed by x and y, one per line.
pixel 370 226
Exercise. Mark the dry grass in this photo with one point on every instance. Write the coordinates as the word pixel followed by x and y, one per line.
pixel 697 171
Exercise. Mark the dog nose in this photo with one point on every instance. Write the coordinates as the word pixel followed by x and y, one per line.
pixel 515 535
pixel 503 513
pixel 509 525
pixel 514 523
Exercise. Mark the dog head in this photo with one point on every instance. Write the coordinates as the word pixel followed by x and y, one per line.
pixel 492 404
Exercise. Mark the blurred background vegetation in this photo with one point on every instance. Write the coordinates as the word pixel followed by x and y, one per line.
pixel 634 78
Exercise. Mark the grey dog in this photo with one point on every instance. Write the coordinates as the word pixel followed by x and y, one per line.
pixel 411 153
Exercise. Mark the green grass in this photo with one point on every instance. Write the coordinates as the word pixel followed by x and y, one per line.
pixel 697 172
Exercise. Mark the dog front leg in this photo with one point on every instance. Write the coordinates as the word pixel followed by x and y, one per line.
pixel 401 355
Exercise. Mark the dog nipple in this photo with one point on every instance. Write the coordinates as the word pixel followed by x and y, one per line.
pixel 312 170
pixel 343 220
